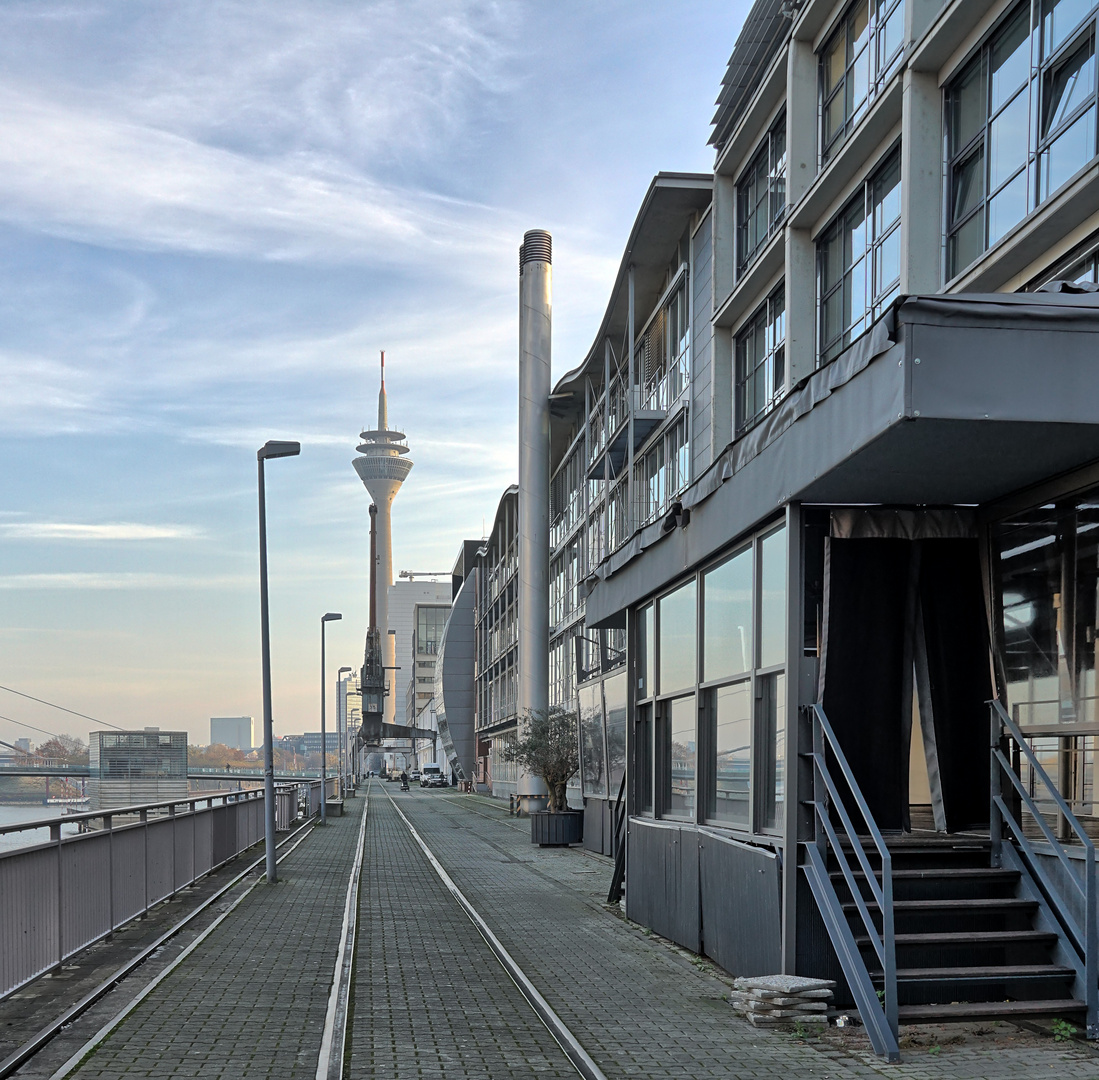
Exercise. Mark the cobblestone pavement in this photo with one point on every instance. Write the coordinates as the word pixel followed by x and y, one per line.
pixel 250 1001
pixel 642 1009
pixel 430 999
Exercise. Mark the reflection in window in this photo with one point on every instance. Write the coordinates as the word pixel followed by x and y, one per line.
pixel 996 140
pixel 731 716
pixel 592 755
pixel 644 743
pixel 854 63
pixel 772 601
pixel 682 757
pixel 761 360
pixel 761 195
pixel 677 639
pixel 859 260
pixel 614 699
pixel 772 750
pixel 646 681
pixel 727 617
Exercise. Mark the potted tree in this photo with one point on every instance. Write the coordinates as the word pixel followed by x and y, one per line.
pixel 549 750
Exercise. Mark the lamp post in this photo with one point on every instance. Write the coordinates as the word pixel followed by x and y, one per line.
pixel 268 450
pixel 342 729
pixel 331 616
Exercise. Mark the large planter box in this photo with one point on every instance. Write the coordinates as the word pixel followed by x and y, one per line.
pixel 556 830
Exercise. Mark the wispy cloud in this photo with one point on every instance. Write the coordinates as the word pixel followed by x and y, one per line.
pixel 118 530
pixel 136 580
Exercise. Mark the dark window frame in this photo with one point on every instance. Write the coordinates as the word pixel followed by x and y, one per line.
pixel 770 365
pixel 761 192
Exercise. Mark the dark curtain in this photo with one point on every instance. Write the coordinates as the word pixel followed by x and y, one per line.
pixel 956 638
pixel 864 684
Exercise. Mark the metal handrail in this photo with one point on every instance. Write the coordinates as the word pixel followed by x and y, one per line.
pixel 1086 942
pixel 826 797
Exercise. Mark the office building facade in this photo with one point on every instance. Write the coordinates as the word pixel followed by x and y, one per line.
pixel 236 732
pixel 128 768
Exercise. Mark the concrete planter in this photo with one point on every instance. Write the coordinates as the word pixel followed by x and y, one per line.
pixel 556 830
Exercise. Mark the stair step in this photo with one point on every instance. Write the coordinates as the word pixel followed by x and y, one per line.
pixel 981 974
pixel 976 937
pixel 1007 903
pixel 943 873
pixel 989 1010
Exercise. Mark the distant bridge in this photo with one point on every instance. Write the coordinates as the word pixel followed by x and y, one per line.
pixel 76 771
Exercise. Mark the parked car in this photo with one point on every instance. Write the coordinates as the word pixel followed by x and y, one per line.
pixel 433 776
pixel 414 775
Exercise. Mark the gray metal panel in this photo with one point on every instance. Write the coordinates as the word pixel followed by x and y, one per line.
pixel 160 857
pixel 739 888
pixel 184 856
pixel 85 891
pixel 596 827
pixel 662 880
pixel 203 825
pixel 28 915
pixel 225 827
pixel 128 873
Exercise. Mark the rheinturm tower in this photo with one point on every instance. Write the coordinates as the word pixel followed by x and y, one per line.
pixel 382 467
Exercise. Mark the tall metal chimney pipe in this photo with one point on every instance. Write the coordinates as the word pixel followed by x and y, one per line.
pixel 535 319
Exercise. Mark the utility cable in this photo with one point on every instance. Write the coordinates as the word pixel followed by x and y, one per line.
pixel 42 701
pixel 23 723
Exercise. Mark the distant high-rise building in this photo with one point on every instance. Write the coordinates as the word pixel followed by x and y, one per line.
pixel 238 732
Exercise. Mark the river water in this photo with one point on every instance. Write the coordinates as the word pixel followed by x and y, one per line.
pixel 13 815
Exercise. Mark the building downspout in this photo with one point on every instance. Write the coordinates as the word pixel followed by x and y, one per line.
pixel 535 319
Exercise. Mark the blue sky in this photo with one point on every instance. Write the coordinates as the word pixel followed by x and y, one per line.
pixel 212 217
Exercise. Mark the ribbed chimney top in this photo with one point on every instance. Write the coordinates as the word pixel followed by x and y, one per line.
pixel 537 246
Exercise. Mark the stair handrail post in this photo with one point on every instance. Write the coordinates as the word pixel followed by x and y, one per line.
pixel 1091 946
pixel 995 821
pixel 889 945
pixel 820 790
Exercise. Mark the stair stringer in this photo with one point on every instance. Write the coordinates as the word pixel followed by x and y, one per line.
pixel 1064 951
pixel 882 1037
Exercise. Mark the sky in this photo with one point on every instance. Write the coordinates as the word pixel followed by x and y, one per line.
pixel 213 215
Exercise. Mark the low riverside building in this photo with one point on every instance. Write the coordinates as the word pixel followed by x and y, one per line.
pixel 127 768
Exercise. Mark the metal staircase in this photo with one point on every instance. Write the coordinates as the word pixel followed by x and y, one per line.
pixel 948 927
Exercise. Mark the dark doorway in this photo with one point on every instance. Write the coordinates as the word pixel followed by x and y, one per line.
pixel 905 619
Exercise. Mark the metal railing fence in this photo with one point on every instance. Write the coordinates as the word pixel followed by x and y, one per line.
pixel 1070 892
pixel 62 895
pixel 880 1016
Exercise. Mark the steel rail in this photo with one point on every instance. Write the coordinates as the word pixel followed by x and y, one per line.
pixel 33 1045
pixel 334 1038
pixel 578 1057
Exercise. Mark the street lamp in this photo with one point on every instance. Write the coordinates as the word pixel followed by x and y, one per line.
pixel 268 450
pixel 342 729
pixel 332 616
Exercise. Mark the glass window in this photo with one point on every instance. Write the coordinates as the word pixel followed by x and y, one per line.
pixel 682 748
pixel 644 752
pixel 772 749
pixel 727 617
pixel 730 712
pixel 855 63
pixel 614 704
pixel 858 258
pixel 772 601
pixel 592 755
pixel 1005 156
pixel 761 194
pixel 677 639
pixel 761 361
pixel 646 681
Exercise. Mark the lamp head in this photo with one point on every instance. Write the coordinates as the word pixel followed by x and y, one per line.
pixel 273 448
pixel 332 616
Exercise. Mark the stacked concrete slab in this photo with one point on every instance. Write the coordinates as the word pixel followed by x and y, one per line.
pixel 782 1000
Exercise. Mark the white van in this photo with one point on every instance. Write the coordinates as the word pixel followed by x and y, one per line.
pixel 433 776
